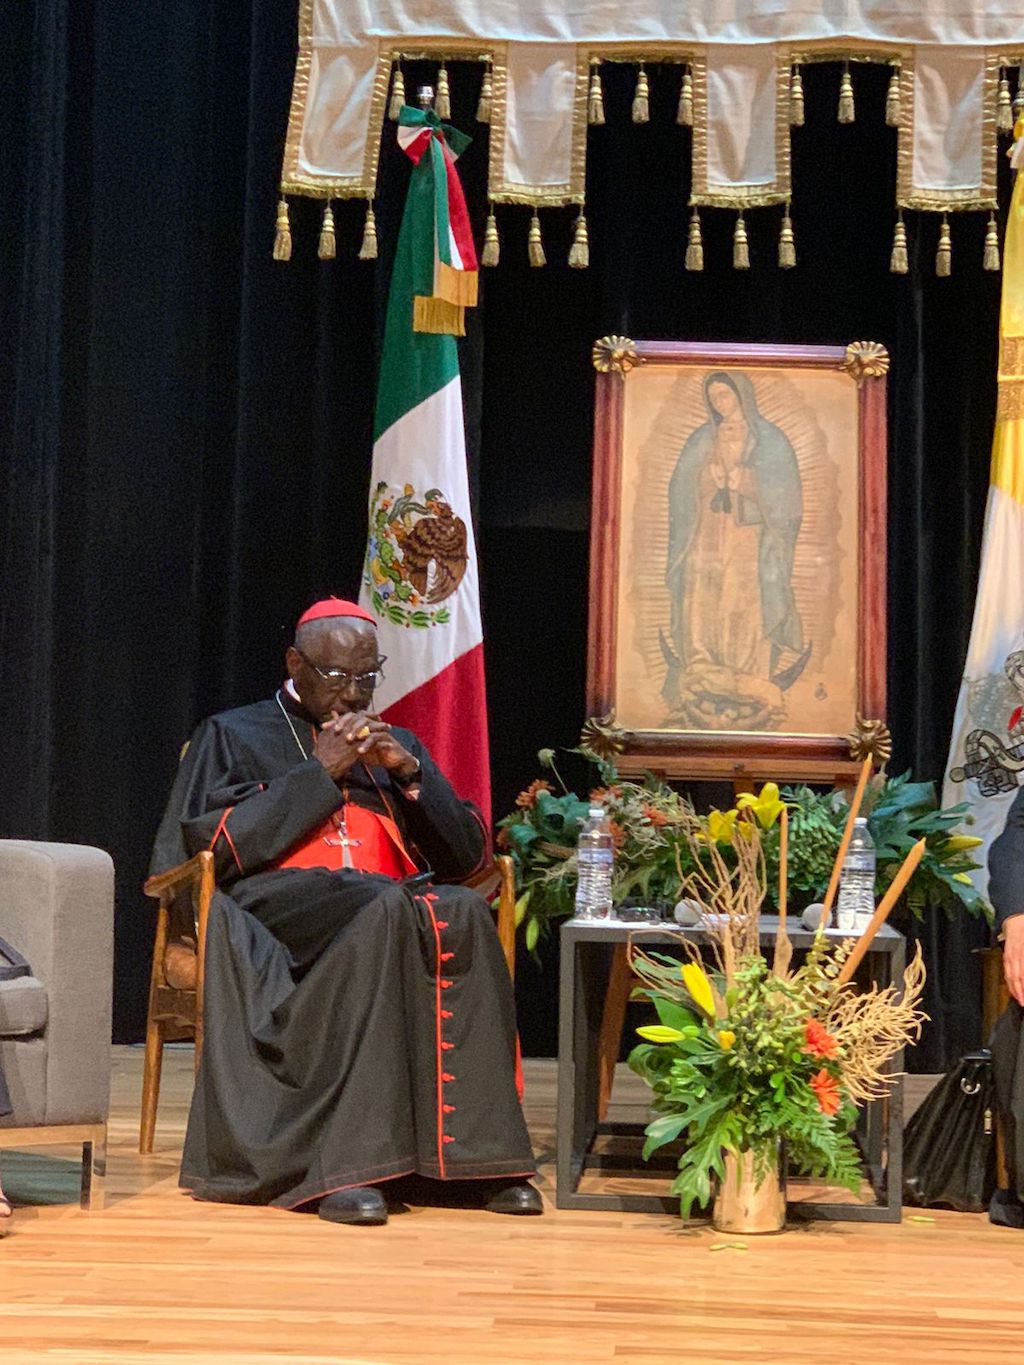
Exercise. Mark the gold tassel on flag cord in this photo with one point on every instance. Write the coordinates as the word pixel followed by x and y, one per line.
pixel 483 109
pixel 535 244
pixel 595 99
pixel 990 259
pixel 397 91
pixel 642 98
pixel 491 253
pixel 1018 99
pixel 847 112
pixel 579 252
pixel 787 244
pixel 327 248
pixel 899 262
pixel 684 113
pixel 443 102
pixel 283 235
pixel 695 246
pixel 740 247
pixel 944 252
pixel 796 99
pixel 1004 105
pixel 893 98
pixel 368 250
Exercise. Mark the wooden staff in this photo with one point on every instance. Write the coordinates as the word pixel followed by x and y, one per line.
pixel 783 946
pixel 837 867
pixel 886 904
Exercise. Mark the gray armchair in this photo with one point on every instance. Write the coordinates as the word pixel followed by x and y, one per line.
pixel 57 909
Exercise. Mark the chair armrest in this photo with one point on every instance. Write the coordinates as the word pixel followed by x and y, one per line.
pixel 166 885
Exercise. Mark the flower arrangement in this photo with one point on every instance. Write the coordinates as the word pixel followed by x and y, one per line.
pixel 748 1056
pixel 649 823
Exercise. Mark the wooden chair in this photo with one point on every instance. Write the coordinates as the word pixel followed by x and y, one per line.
pixel 176 980
pixel 994 999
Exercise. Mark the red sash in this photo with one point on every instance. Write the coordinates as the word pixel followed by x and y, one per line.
pixel 374 845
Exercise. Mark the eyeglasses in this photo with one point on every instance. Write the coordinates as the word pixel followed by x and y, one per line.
pixel 342 678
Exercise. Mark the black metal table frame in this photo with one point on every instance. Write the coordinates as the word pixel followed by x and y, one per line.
pixel 586 951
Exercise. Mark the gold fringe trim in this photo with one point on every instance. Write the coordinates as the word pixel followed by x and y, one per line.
pixel 1010 402
pixel 642 98
pixel 443 99
pixel 1011 358
pixel 990 259
pixel 491 253
pixel 787 243
pixel 695 244
pixel 796 98
pixel 535 243
pixel 894 99
pixel 327 248
pixel 595 98
pixel 438 316
pixel 579 252
pixel 1004 105
pixel 740 246
pixel 944 251
pixel 684 113
pixel 483 108
pixel 456 286
pixel 283 235
pixel 368 249
pixel 397 93
pixel 847 111
pixel 899 261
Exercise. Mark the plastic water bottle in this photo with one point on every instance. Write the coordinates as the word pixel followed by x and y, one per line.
pixel 857 881
pixel 595 856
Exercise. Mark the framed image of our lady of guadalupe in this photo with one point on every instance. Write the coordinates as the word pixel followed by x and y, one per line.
pixel 738 557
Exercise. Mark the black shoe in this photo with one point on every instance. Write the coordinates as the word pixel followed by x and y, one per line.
pixel 363 1204
pixel 519 1198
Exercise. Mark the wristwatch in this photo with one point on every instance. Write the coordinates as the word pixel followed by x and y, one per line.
pixel 409 779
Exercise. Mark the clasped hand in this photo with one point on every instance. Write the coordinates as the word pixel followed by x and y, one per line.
pixel 360 736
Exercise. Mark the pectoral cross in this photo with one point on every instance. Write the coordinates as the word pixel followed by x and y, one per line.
pixel 342 841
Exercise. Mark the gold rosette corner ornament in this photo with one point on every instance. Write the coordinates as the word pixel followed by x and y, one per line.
pixel 865 360
pixel 601 737
pixel 870 739
pixel 615 355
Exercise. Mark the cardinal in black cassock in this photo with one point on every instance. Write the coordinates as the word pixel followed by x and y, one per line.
pixel 359 1019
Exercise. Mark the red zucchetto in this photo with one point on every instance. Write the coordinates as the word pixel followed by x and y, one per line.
pixel 334 606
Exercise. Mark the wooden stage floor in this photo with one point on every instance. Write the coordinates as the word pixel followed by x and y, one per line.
pixel 160 1278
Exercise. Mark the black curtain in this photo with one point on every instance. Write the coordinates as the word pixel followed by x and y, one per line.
pixel 186 423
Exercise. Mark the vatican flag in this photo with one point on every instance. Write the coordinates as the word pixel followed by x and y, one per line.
pixel 986 757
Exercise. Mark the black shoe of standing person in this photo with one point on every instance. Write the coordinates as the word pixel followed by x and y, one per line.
pixel 518 1197
pixel 363 1205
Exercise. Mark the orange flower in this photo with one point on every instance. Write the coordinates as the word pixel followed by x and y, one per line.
pixel 617 832
pixel 826 1088
pixel 528 799
pixel 818 1041
pixel 604 793
pixel 503 840
pixel 657 817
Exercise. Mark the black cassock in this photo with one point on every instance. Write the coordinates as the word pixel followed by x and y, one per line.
pixel 357 1027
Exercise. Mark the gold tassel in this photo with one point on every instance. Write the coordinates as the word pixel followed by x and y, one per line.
pixel 944 253
pixel 695 246
pixel 740 249
pixel 579 252
pixel 1004 105
pixel 642 98
pixel 595 99
pixel 893 99
pixel 491 253
pixel 368 250
pixel 283 236
pixel 535 245
pixel 443 102
pixel 483 109
pixel 1018 99
pixel 847 112
pixel 990 260
pixel 787 244
pixel 327 249
pixel 684 114
pixel 796 99
pixel 397 93
pixel 899 262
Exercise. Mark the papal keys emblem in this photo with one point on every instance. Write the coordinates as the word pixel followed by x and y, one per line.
pixel 994 749
pixel 416 555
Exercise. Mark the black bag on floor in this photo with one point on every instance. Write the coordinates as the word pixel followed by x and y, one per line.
pixel 949 1150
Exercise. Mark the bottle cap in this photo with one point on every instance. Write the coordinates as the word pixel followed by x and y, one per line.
pixel 861 820
pixel 597 810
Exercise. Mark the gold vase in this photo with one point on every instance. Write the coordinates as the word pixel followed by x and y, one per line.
pixel 744 1204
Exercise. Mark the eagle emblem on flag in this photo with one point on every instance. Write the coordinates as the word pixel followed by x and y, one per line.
pixel 416 555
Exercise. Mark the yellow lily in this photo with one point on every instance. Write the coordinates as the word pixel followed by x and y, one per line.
pixel 660 1033
pixel 959 843
pixel 722 826
pixel 727 1038
pixel 766 808
pixel 964 877
pixel 695 979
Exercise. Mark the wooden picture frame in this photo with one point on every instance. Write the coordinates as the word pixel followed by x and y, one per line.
pixel 667 438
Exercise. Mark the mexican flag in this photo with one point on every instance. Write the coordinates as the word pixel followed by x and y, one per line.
pixel 420 578
pixel 986 757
